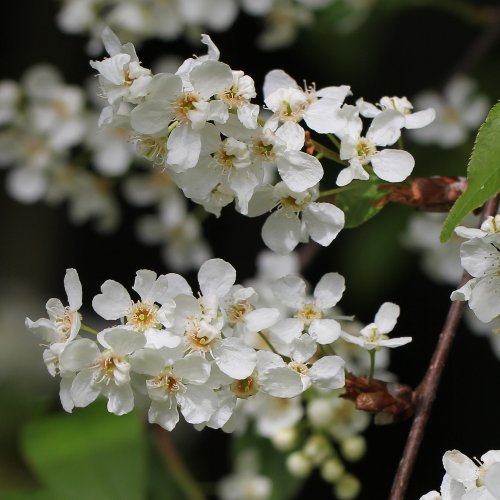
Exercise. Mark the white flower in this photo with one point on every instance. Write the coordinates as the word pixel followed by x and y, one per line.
pixel 321 109
pixel 237 97
pixel 245 483
pixel 121 76
pixel 309 313
pixel 374 335
pixel 272 414
pixel 481 259
pixel 393 165
pixel 469 480
pixel 64 322
pixel 284 228
pixel 106 372
pixel 172 100
pixel 402 105
pixel 458 112
pixel 230 167
pixel 200 321
pixel 299 170
pixel 491 225
pixel 144 316
pixel 175 382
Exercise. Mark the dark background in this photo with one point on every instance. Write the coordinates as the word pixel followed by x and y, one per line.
pixel 402 48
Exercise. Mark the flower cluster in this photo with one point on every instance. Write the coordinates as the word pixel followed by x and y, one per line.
pixel 201 126
pixel 469 480
pixel 205 353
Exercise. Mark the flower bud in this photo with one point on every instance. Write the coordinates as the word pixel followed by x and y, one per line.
pixel 347 487
pixel 353 448
pixel 332 470
pixel 320 412
pixel 285 439
pixel 298 464
pixel 317 448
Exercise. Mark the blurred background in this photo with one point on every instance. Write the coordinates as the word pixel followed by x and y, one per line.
pixel 384 47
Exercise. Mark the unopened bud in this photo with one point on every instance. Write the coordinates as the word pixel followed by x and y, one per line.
pixel 332 470
pixel 298 464
pixel 353 448
pixel 320 412
pixel 317 448
pixel 285 439
pixel 347 487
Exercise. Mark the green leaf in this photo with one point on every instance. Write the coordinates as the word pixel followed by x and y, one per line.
pixel 358 202
pixel 27 495
pixel 272 464
pixel 90 454
pixel 483 173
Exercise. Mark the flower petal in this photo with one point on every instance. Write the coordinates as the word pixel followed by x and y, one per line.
pixel 299 170
pixel 393 165
pixel 216 276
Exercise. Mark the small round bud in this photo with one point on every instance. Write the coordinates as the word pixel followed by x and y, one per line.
pixel 320 412
pixel 347 487
pixel 298 464
pixel 353 448
pixel 285 439
pixel 332 470
pixel 317 448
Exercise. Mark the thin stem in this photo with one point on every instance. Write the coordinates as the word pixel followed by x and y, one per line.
pixel 426 391
pixel 334 140
pixel 329 192
pixel 372 354
pixel 88 329
pixel 176 467
pixel 268 343
pixel 328 153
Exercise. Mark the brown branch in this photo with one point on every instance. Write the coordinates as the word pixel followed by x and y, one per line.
pixel 427 389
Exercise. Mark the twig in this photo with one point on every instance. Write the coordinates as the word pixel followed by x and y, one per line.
pixel 426 391
pixel 175 465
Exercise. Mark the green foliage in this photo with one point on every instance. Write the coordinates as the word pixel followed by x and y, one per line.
pixel 90 454
pixel 28 495
pixel 272 464
pixel 483 173
pixel 358 202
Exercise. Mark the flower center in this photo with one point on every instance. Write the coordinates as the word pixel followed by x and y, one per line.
pixel 291 203
pixel 65 322
pixel 152 148
pixel 185 104
pixel 232 97
pixel 264 151
pixel 225 160
pixel 238 311
pixel 199 335
pixel 300 368
pixel 107 364
pixel 365 149
pixel 143 316
pixel 244 388
pixel 168 382
pixel 308 313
